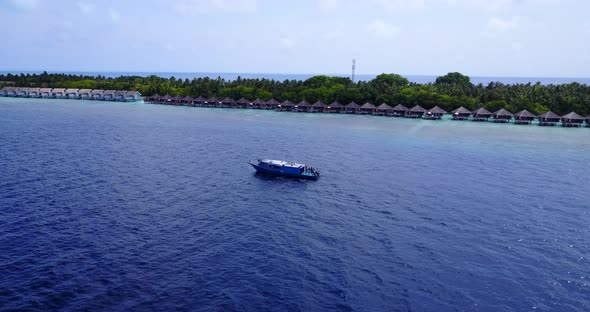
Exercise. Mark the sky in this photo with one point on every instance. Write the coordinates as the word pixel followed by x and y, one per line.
pixel 521 38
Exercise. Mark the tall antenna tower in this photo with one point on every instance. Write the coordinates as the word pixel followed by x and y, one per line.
pixel 353 68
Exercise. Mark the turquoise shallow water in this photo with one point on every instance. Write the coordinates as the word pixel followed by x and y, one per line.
pixel 111 206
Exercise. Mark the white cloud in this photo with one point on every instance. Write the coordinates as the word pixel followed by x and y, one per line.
pixel 24 4
pixel 502 25
pixel 114 15
pixel 86 7
pixel 381 28
pixel 287 43
pixel 204 6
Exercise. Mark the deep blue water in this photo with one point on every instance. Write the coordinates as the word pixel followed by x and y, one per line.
pixel 118 207
pixel 281 77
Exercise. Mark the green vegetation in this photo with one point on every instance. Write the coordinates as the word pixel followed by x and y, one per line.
pixel 449 91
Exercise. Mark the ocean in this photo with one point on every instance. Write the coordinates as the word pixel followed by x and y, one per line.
pixel 129 207
pixel 281 77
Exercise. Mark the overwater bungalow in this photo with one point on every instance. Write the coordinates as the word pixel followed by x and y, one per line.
pixel 119 96
pixel 302 106
pixel 211 102
pixel 227 102
pixel 588 121
pixel 132 96
pixel 272 104
pixel 177 100
pixel 199 101
pixel 461 113
pixel 286 106
pixel 318 107
pixel 187 100
pixel 367 109
pixel 59 93
pixel 481 114
pixel 242 103
pixel 72 93
pixel 34 93
pixel 572 119
pixel 85 94
pixel 22 92
pixel 108 95
pixel 352 108
pixel 383 110
pixel 399 110
pixel 524 117
pixel 502 115
pixel 258 104
pixel 166 99
pixel 153 98
pixel 96 94
pixel 8 91
pixel 549 119
pixel 335 107
pixel 416 112
pixel 46 93
pixel 435 113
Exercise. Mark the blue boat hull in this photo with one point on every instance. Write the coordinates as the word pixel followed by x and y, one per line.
pixel 284 174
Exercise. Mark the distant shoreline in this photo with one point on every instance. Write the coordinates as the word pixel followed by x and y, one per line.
pixel 302 76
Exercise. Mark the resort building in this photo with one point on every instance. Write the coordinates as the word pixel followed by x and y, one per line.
pixel 435 113
pixel 242 103
pixel 335 107
pixel 416 112
pixel 46 93
pixel 318 107
pixel 272 104
pixel 383 110
pixel 549 119
pixel 367 109
pixel 286 106
pixel 399 110
pixel 461 113
pixel 481 114
pixel 22 92
pixel 302 106
pixel 502 115
pixel 352 108
pixel 572 119
pixel 34 92
pixel 85 94
pixel 524 117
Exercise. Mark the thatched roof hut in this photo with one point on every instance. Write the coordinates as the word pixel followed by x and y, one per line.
pixel 199 100
pixel 549 119
pixel 435 113
pixel 461 113
pixel 416 112
pixel 382 110
pixel 286 105
pixel 258 103
pixel 524 117
pixel 302 106
pixel 399 110
pixel 367 108
pixel 572 119
pixel 502 115
pixel 318 107
pixel 481 114
pixel 187 99
pixel 352 108
pixel 588 121
pixel 227 101
pixel 335 107
pixel 242 103
pixel 272 104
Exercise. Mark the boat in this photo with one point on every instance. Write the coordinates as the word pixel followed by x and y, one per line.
pixel 286 169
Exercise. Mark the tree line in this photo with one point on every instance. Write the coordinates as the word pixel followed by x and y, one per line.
pixel 449 91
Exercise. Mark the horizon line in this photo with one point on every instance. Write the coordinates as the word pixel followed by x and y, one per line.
pixel 278 73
